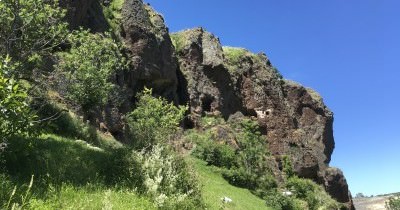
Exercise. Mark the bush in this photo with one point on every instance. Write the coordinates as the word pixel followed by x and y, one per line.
pixel 30 29
pixel 154 120
pixel 16 117
pixel 277 201
pixel 220 155
pixel 89 66
pixel 287 167
pixel 168 179
pixel 245 166
pixel 310 192
pixel 252 170
pixel 393 203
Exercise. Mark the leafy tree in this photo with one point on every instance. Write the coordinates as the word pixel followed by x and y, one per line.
pixel 89 65
pixel 30 29
pixel 253 147
pixel 15 115
pixel 154 120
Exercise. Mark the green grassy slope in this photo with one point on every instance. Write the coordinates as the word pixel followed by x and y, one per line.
pixel 66 176
pixel 216 187
pixel 92 197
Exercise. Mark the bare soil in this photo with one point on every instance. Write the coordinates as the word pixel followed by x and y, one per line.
pixel 371 203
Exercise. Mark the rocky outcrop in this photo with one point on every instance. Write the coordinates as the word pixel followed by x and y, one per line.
pixel 225 80
pixel 150 50
pixel 216 80
pixel 336 185
pixel 208 84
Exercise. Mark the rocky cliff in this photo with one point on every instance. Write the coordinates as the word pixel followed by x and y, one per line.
pixel 191 67
pixel 225 80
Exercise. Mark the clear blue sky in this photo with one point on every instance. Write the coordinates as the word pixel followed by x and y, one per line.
pixel 349 51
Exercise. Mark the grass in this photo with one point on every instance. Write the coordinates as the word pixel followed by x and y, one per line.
pixel 216 187
pixel 68 174
pixel 69 125
pixel 92 197
pixel 58 158
pixel 178 40
pixel 235 54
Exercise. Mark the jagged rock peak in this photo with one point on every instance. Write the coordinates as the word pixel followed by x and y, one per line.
pixel 149 48
pixel 211 50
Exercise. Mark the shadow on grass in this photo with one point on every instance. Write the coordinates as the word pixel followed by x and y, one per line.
pixel 55 160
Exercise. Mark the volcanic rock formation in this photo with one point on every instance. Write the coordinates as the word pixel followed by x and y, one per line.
pixel 226 80
pixel 195 69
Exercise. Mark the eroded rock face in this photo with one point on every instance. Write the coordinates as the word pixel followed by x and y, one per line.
pixel 150 50
pixel 151 55
pixel 86 13
pixel 208 84
pixel 336 185
pixel 217 81
pixel 294 118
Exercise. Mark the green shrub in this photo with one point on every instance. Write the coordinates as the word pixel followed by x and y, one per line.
pixel 220 155
pixel 241 178
pixel 277 201
pixel 310 192
pixel 287 167
pixel 16 117
pixel 89 66
pixel 112 13
pixel 168 179
pixel 393 203
pixel 30 29
pixel 154 120
pixel 245 166
pixel 251 158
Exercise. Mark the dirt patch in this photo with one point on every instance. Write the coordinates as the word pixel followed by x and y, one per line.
pixel 372 203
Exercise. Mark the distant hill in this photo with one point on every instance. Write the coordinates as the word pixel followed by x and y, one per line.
pixel 372 203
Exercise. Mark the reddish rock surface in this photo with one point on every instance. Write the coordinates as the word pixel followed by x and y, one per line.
pixel 218 81
pixel 294 118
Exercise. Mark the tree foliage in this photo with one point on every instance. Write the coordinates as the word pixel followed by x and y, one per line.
pixel 30 29
pixel 89 65
pixel 154 119
pixel 15 115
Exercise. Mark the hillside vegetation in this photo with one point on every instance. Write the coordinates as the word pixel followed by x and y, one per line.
pixel 56 86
